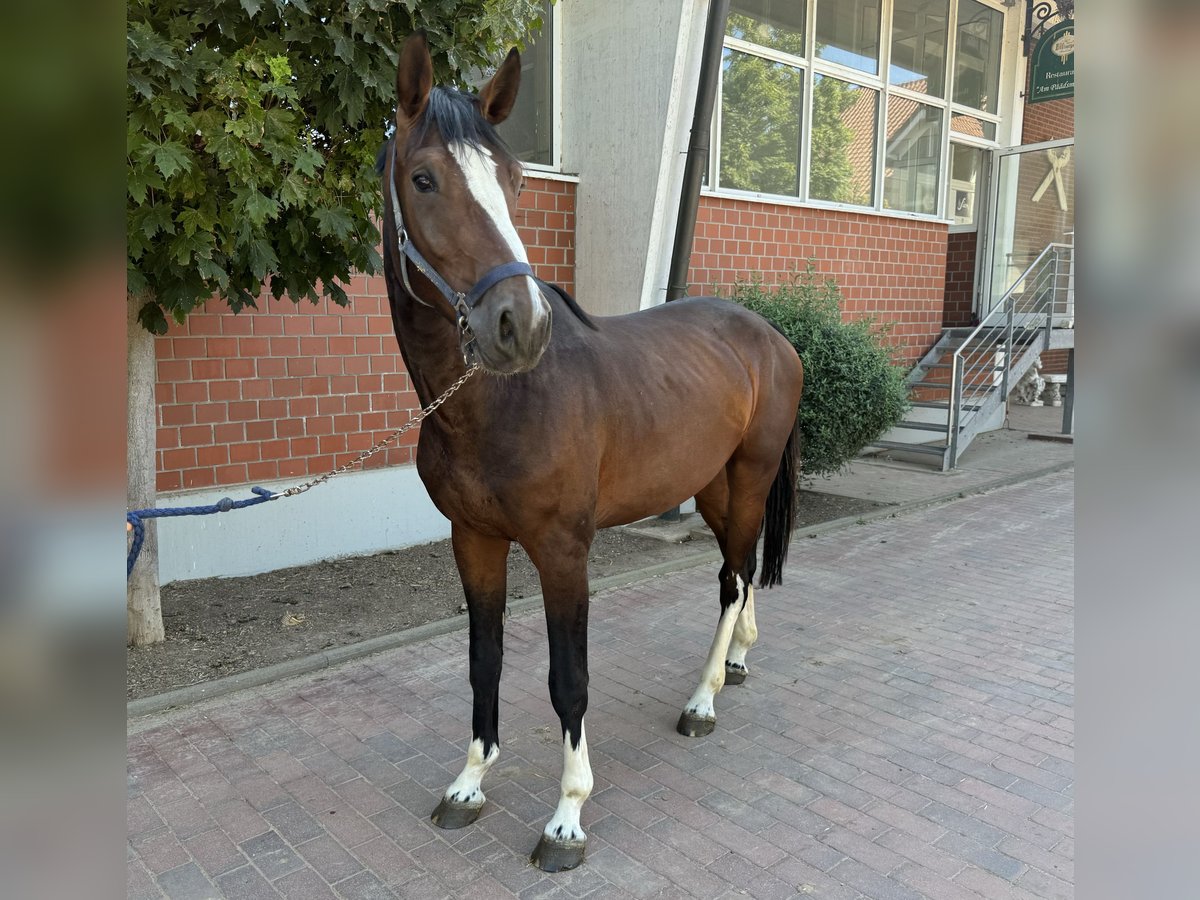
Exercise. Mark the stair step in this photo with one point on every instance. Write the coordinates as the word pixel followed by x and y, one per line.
pixel 943 404
pixel 945 385
pixel 922 426
pixel 977 368
pixel 936 449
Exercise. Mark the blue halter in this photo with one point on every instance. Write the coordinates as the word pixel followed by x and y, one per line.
pixel 461 302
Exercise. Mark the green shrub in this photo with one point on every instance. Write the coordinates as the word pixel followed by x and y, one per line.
pixel 853 391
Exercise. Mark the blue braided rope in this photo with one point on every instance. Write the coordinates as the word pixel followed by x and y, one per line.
pixel 135 517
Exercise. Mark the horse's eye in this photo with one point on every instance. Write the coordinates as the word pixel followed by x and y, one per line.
pixel 423 183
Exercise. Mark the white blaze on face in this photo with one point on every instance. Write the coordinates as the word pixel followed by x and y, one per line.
pixel 712 679
pixel 479 171
pixel 466 788
pixel 576 786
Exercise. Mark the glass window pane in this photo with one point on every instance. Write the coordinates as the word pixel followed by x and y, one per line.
pixel 760 124
pixel 919 33
pixel 843 142
pixel 966 166
pixel 527 130
pixel 969 125
pixel 977 56
pixel 848 33
pixel 778 24
pixel 914 152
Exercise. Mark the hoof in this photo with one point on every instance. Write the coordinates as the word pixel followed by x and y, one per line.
pixel 734 674
pixel 455 815
pixel 557 856
pixel 691 725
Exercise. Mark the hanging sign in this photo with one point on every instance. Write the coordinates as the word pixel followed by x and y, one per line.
pixel 1053 65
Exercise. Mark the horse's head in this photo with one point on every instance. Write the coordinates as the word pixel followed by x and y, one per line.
pixel 457 187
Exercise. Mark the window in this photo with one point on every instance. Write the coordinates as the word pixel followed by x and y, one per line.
pixel 977 60
pixel 843 141
pixel 914 154
pixel 854 102
pixel 529 128
pixel 848 34
pixel 966 179
pixel 778 25
pixel 760 112
pixel 919 33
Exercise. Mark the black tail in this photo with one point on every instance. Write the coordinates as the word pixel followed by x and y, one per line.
pixel 780 514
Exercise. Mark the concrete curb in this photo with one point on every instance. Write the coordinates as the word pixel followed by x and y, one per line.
pixel 305 665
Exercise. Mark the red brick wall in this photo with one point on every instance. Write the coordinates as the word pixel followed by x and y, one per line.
pixel 290 390
pixel 1048 121
pixel 960 279
pixel 887 267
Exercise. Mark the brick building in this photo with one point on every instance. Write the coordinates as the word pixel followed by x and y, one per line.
pixel 889 120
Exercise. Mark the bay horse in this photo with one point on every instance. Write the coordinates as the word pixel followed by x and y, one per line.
pixel 579 423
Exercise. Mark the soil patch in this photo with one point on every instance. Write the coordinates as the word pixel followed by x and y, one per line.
pixel 220 626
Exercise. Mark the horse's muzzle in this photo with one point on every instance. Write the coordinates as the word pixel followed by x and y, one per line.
pixel 512 327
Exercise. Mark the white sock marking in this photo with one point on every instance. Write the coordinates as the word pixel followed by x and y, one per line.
pixel 479 170
pixel 576 786
pixel 465 788
pixel 713 677
pixel 745 633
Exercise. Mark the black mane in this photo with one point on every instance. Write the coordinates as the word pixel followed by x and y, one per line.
pixel 455 115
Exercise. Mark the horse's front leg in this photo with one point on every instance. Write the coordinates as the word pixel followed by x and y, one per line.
pixel 565 589
pixel 482 565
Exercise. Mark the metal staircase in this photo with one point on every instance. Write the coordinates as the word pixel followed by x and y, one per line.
pixel 960 386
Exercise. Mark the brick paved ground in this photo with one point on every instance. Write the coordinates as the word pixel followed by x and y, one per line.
pixel 906 732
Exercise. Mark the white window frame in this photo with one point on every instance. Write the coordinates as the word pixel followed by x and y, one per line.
pixel 555 165
pixel 811 67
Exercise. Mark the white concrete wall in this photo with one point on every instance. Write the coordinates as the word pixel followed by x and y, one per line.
pixel 354 514
pixel 629 73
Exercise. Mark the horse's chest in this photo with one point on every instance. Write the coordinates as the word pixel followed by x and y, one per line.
pixel 466 489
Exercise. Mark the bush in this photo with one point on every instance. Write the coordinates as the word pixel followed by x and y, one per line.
pixel 853 391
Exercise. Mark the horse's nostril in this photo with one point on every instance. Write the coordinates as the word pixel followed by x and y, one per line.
pixel 506 326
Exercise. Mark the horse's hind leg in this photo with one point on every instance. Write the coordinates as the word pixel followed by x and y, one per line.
pixel 744 490
pixel 482 564
pixel 713 504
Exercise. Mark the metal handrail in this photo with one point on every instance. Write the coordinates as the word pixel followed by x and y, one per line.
pixel 1044 292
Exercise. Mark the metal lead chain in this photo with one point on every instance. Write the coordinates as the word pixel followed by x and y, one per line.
pixel 367 454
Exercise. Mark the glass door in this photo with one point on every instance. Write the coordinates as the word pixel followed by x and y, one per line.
pixel 1032 205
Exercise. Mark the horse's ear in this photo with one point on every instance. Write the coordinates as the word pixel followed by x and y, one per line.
pixel 414 78
pixel 496 98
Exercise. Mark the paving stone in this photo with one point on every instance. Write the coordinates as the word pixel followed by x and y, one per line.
pixel 187 883
pixel 271 855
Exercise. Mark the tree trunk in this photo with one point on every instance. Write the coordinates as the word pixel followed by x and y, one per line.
pixel 143 606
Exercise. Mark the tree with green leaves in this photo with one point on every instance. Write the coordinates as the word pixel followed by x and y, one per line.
pixel 253 127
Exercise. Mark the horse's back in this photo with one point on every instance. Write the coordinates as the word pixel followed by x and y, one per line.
pixel 679 387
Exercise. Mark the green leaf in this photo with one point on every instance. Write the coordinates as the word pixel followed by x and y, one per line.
pixel 262 258
pixel 180 121
pixel 308 161
pixel 260 208
pixel 251 7
pixel 139 180
pixel 213 272
pixel 333 222
pixel 157 218
pixel 152 318
pixel 171 157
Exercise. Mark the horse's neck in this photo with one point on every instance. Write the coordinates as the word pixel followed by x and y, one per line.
pixel 429 344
